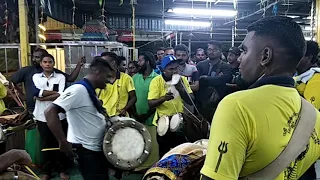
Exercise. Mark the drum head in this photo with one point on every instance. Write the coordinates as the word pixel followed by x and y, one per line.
pixel 163 125
pixel 127 144
pixel 202 142
pixel 176 122
pixel 9 175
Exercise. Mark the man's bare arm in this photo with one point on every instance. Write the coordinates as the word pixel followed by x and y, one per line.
pixel 50 98
pixel 132 100
pixel 54 122
pixel 14 156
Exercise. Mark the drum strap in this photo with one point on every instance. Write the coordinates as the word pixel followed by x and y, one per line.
pixel 297 144
pixel 195 107
pixel 15 96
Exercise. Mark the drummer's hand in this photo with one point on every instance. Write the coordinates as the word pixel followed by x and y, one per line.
pixel 66 147
pixel 169 96
pixel 82 61
pixel 23 158
pixel 123 112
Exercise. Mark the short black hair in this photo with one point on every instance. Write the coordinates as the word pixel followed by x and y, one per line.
pixel 285 31
pixel 113 55
pixel 43 51
pixel 120 59
pixel 181 47
pixel 312 50
pixel 200 49
pixel 168 48
pixel 135 64
pixel 215 43
pixel 49 56
pixel 98 62
pixel 148 56
pixel 160 49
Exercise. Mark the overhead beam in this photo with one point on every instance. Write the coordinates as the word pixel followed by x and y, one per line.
pixel 23 30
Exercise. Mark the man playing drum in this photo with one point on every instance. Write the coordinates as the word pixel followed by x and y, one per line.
pixel 144 113
pixel 119 95
pixel 86 120
pixel 168 101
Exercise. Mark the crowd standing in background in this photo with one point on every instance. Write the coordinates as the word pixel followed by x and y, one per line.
pixel 251 98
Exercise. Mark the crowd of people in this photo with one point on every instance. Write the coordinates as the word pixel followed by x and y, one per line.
pixel 251 99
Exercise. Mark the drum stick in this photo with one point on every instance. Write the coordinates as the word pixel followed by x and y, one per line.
pixel 30 171
pixel 52 149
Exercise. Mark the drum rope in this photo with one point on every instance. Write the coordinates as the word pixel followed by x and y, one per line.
pixel 30 171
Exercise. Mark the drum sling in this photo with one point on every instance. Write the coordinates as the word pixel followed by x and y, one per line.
pixel 299 140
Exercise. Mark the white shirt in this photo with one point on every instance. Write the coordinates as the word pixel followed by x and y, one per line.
pixel 86 125
pixel 43 83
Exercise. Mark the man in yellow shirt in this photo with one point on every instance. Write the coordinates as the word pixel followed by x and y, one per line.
pixel 119 95
pixel 3 94
pixel 263 118
pixel 166 104
pixel 308 85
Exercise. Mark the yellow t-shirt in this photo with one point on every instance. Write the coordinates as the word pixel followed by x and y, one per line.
pixel 159 88
pixel 310 90
pixel 115 96
pixel 3 94
pixel 251 128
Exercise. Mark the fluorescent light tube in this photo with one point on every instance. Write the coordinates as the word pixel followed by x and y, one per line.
pixel 187 23
pixel 206 12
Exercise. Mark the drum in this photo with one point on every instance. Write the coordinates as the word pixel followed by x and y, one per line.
pixel 12 124
pixel 16 175
pixel 163 125
pixel 127 144
pixel 176 122
pixel 195 127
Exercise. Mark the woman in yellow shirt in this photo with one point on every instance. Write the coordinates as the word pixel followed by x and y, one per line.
pixel 3 94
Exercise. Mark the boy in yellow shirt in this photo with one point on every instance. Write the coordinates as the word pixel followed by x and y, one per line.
pixel 308 85
pixel 166 104
pixel 3 94
pixel 119 95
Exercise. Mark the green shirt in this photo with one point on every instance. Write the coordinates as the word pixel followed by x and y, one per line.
pixel 142 88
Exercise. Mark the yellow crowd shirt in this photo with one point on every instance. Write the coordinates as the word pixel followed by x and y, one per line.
pixel 159 88
pixel 3 94
pixel 115 96
pixel 251 128
pixel 310 90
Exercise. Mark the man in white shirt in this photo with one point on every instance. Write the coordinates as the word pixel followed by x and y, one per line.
pixel 48 87
pixel 86 119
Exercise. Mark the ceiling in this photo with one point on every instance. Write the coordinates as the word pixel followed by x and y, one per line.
pixel 248 12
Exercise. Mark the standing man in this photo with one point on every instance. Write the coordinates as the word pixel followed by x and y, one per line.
pixel 166 104
pixel 214 74
pixel 200 55
pixel 50 85
pixel 133 68
pixel 160 55
pixel 123 64
pixel 232 58
pixel 262 121
pixel 308 85
pixel 24 75
pixel 181 52
pixel 86 119
pixel 119 95
pixel 145 115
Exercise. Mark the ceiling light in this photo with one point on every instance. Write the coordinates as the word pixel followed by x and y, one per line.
pixel 208 12
pixel 286 4
pixel 308 38
pixel 308 28
pixel 293 16
pixel 188 23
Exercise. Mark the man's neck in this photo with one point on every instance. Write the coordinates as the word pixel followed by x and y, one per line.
pixel 214 61
pixel 234 65
pixel 147 72
pixel 47 73
pixel 90 79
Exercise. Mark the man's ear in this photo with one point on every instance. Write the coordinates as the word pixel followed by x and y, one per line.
pixel 266 56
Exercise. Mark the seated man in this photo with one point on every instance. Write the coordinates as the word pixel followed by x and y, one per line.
pixel 166 104
pixel 119 95
pixel 252 127
pixel 14 156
